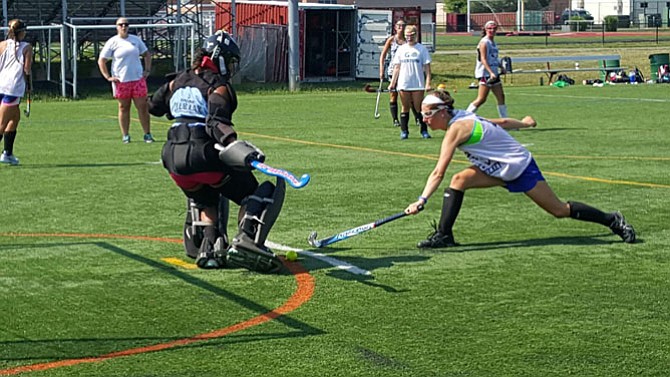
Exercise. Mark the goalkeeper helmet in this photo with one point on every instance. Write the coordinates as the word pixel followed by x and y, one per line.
pixel 224 52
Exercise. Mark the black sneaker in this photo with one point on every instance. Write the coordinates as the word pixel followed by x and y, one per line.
pixel 396 123
pixel 622 229
pixel 437 240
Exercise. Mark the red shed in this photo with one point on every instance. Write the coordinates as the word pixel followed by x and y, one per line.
pixel 327 39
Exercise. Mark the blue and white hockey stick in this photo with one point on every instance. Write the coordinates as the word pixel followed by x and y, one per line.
pixel 353 231
pixel 292 180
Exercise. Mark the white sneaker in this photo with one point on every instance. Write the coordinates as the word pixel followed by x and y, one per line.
pixel 8 159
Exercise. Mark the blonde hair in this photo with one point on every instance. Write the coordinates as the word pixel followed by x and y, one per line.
pixel 409 30
pixel 15 27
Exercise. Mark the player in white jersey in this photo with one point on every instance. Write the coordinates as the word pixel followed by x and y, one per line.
pixel 487 71
pixel 497 160
pixel 16 57
pixel 411 63
pixel 390 47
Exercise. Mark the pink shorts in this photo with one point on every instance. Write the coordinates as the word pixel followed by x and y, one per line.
pixel 130 89
pixel 191 181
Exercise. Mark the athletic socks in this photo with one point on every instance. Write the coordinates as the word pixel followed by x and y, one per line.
pixel 451 206
pixel 404 121
pixel 10 136
pixel 502 111
pixel 393 106
pixel 584 212
pixel 471 108
pixel 417 115
pixel 424 126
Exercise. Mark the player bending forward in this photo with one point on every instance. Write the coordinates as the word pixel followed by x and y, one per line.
pixel 205 159
pixel 497 160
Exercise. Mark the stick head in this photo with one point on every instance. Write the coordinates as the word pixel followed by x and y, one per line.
pixel 312 240
pixel 377 116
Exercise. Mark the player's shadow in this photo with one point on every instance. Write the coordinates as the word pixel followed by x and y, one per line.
pixel 596 240
pixel 368 264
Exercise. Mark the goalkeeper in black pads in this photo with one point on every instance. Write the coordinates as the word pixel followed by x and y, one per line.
pixel 211 166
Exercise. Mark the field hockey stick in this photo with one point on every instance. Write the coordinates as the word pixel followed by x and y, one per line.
pixel 353 231
pixel 379 93
pixel 370 89
pixel 26 112
pixel 292 180
pixel 29 100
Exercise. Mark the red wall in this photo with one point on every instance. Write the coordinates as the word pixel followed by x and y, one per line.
pixel 251 14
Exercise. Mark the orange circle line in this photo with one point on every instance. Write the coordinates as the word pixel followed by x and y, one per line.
pixel 304 291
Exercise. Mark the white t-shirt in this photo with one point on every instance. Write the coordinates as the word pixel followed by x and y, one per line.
pixel 411 59
pixel 125 54
pixel 12 79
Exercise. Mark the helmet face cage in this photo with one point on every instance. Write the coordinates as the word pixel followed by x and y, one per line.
pixel 223 51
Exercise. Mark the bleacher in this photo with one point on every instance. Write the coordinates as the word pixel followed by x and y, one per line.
pixel 45 12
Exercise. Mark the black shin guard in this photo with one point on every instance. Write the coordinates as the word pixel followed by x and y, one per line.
pixel 404 121
pixel 584 212
pixel 393 106
pixel 424 126
pixel 10 136
pixel 211 233
pixel 451 206
pixel 417 115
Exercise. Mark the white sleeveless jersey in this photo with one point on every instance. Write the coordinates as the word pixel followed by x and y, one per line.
pixel 492 150
pixel 12 79
pixel 391 54
pixel 491 58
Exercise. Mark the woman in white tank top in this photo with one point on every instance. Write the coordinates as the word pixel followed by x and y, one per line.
pixel 390 47
pixel 487 71
pixel 498 160
pixel 16 57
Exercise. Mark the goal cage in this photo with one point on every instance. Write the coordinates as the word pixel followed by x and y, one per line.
pixel 510 15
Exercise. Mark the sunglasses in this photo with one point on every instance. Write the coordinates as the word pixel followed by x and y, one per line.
pixel 430 113
pixel 399 25
pixel 123 24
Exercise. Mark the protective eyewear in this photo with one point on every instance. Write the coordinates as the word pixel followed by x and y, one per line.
pixel 430 113
pixel 123 24
pixel 399 25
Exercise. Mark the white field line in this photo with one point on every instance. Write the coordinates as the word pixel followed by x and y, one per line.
pixel 342 265
pixel 596 98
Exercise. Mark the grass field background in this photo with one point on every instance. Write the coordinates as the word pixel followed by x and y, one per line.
pixel 525 294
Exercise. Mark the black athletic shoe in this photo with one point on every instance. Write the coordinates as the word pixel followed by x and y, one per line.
pixel 437 240
pixel 396 123
pixel 622 229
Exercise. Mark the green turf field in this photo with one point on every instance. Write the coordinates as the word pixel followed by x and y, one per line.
pixel 89 224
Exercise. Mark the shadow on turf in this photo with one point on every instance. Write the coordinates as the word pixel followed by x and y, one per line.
pixel 100 165
pixel 573 240
pixel 39 349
